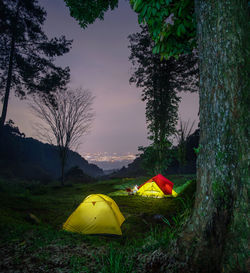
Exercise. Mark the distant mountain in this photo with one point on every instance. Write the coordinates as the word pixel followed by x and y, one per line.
pixel 135 168
pixel 112 165
pixel 107 172
pixel 32 159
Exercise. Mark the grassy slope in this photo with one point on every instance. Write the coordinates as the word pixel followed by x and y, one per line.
pixel 29 247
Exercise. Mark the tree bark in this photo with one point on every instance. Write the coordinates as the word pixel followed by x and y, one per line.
pixel 216 240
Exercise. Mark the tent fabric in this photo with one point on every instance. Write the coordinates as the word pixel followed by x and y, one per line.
pixel 150 189
pixel 97 214
pixel 165 185
pixel 158 186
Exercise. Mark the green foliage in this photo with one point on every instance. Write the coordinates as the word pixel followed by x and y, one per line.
pixel 156 157
pixel 198 149
pixel 160 80
pixel 182 187
pixel 160 237
pixel 87 11
pixel 170 23
pixel 78 264
pixel 154 77
pixel 116 261
pixel 217 188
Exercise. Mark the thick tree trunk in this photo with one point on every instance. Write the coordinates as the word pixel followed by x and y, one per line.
pixel 216 239
pixel 219 226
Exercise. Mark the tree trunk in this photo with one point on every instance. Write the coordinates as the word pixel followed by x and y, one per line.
pixel 216 239
pixel 10 70
pixel 62 178
pixel 62 168
pixel 8 85
pixel 63 153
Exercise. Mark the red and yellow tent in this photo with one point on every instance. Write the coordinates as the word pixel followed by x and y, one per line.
pixel 158 186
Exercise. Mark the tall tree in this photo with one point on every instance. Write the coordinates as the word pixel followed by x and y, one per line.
pixel 160 81
pixel 64 122
pixel 27 55
pixel 217 236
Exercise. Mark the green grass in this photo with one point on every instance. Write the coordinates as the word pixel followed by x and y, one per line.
pixel 24 243
pixel 114 261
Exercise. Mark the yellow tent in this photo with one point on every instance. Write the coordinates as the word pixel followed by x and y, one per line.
pixel 97 214
pixel 151 189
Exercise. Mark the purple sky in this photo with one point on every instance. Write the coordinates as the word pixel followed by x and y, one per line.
pixel 99 62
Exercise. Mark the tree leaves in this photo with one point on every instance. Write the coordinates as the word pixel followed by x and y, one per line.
pixel 160 80
pixel 87 11
pixel 180 30
pixel 172 35
pixel 33 68
pixel 156 14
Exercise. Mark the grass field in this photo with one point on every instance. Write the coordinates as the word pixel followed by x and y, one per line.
pixel 40 245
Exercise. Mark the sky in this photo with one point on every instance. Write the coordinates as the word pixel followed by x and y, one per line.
pixel 99 62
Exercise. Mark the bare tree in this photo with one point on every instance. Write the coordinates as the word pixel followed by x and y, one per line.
pixel 64 120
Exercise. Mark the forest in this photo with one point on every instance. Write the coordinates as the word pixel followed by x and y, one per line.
pixel 182 204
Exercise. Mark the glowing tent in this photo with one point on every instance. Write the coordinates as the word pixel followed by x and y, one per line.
pixel 97 214
pixel 158 186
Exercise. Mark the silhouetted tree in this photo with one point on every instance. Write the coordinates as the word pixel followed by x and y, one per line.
pixel 160 81
pixel 76 174
pixel 10 128
pixel 87 11
pixel 65 120
pixel 27 55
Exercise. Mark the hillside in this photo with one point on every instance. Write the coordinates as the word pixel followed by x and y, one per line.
pixel 135 168
pixel 32 159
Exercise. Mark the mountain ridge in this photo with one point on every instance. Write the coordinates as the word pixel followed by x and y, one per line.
pixel 30 158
